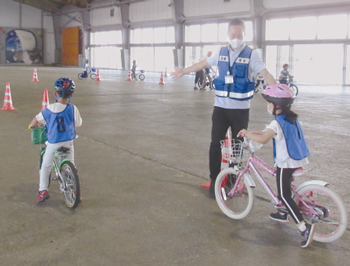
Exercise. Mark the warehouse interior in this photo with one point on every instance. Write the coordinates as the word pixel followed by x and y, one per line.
pixel 143 148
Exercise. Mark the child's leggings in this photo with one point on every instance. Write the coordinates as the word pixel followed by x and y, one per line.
pixel 46 166
pixel 284 180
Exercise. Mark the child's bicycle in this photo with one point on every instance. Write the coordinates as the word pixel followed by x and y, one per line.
pixel 92 72
pixel 234 192
pixel 139 74
pixel 66 173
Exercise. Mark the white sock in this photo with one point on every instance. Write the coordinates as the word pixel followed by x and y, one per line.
pixel 302 226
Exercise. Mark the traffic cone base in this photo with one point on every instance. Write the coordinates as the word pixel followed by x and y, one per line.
pixel 161 82
pixel 35 75
pixel 129 76
pixel 206 185
pixel 98 75
pixel 8 106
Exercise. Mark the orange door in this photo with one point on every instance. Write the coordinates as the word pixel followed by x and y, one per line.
pixel 70 46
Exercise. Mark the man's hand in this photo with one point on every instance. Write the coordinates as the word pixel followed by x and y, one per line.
pixel 178 73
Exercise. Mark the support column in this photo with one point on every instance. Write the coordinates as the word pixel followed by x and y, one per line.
pixel 178 16
pixel 125 52
pixel 58 38
pixel 86 32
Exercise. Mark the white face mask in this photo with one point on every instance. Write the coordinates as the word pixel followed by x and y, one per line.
pixel 270 107
pixel 235 43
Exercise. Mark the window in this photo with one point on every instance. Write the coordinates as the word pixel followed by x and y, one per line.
pixel 277 29
pixel 160 35
pixel 332 27
pixel 209 33
pixel 147 35
pixel 303 28
pixel 193 33
pixel 106 37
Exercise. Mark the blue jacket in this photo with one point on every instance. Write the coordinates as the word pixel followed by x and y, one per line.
pixel 60 126
pixel 295 141
pixel 242 89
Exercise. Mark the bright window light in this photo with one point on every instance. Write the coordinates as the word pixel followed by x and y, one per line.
pixel 277 29
pixel 332 26
pixel 209 33
pixel 303 28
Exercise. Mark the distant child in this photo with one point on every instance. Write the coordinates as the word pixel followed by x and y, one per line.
pixel 61 119
pixel 290 152
pixel 285 75
pixel 133 69
pixel 86 67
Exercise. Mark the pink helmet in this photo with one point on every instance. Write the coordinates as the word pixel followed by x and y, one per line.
pixel 279 94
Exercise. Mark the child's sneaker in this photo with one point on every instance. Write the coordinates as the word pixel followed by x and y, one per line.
pixel 43 195
pixel 307 235
pixel 279 217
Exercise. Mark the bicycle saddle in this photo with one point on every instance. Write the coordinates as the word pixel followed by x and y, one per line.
pixel 63 149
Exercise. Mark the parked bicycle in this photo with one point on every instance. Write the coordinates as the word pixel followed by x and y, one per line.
pixel 92 73
pixel 65 172
pixel 235 196
pixel 260 84
pixel 139 74
pixel 208 82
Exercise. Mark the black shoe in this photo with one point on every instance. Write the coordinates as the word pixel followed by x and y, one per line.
pixel 212 189
pixel 279 217
pixel 307 235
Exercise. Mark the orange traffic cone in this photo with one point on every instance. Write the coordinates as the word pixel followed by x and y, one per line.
pixel 165 74
pixel 98 75
pixel 161 82
pixel 224 162
pixel 8 100
pixel 35 75
pixel 45 100
pixel 129 76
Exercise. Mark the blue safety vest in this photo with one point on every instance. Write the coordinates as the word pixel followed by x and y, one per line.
pixel 60 126
pixel 295 141
pixel 286 74
pixel 242 89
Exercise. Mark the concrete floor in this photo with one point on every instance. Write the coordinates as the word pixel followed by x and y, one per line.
pixel 142 155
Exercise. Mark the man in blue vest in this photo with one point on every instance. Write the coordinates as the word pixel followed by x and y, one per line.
pixel 234 87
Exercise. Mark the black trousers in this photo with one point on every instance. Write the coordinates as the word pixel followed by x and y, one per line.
pixel 284 180
pixel 222 119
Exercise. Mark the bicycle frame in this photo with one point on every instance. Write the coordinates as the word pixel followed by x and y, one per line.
pixel 59 159
pixel 253 163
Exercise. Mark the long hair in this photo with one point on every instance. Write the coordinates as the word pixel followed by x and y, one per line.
pixel 286 110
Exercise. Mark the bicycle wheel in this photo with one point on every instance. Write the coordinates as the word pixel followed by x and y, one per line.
pixel 238 205
pixel 71 183
pixel 80 76
pixel 141 77
pixel 295 89
pixel 93 76
pixel 331 219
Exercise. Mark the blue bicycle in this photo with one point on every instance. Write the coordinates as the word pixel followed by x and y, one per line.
pixel 92 72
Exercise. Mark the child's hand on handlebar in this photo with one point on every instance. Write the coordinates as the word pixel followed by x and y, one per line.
pixel 242 133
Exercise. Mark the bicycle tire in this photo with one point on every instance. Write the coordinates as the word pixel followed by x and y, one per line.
pixel 142 77
pixel 295 89
pixel 230 205
pixel 93 76
pixel 333 225
pixel 80 76
pixel 72 186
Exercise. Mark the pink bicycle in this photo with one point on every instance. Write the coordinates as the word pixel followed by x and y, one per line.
pixel 235 197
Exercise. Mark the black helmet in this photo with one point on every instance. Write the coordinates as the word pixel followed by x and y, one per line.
pixel 64 86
